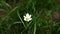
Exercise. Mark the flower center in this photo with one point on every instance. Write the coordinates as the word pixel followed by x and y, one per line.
pixel 27 18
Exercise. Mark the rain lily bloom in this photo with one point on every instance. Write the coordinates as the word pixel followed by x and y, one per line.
pixel 27 17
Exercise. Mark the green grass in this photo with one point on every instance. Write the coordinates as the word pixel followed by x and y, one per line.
pixel 45 17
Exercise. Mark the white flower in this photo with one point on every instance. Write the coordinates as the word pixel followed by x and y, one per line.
pixel 27 17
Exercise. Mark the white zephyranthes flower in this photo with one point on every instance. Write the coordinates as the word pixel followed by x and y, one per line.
pixel 27 17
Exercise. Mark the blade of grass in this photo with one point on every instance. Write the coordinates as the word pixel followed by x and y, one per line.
pixel 6 4
pixel 2 10
pixel 21 19
pixel 28 32
pixel 9 13
pixel 34 19
pixel 35 27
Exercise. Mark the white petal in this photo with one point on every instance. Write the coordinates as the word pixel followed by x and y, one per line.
pixel 27 15
pixel 30 19
pixel 30 16
pixel 24 16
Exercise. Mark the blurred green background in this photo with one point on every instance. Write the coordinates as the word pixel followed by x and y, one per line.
pixel 45 16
